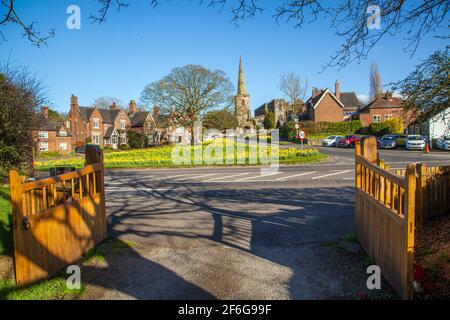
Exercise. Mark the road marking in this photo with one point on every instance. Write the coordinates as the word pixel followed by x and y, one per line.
pixel 348 178
pixel 197 176
pixel 226 177
pixel 296 175
pixel 331 174
pixel 260 176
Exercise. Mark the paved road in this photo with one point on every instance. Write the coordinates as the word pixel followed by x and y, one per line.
pixel 231 233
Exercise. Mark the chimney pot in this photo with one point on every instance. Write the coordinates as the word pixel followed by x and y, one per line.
pixel 73 102
pixel 132 107
pixel 113 106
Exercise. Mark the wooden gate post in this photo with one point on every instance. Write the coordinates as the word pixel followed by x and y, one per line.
pixel 357 164
pixel 421 193
pixel 16 186
pixel 411 173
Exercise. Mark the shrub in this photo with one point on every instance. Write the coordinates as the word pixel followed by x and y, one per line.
pixel 269 120
pixel 137 139
pixel 395 125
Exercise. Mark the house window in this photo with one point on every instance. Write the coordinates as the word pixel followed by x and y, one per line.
pixel 122 124
pixel 123 139
pixel 63 146
pixel 387 117
pixel 96 138
pixel 376 118
pixel 114 139
pixel 43 134
pixel 43 146
pixel 68 124
pixel 63 133
pixel 96 123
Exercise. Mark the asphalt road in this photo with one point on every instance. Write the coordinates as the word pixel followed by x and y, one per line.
pixel 232 233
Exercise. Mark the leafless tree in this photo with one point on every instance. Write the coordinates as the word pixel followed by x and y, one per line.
pixel 375 81
pixel 294 90
pixel 106 102
pixel 188 93
pixel 348 18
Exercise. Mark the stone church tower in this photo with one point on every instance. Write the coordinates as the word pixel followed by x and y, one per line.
pixel 242 101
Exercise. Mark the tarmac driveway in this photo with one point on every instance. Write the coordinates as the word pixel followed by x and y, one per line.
pixel 190 240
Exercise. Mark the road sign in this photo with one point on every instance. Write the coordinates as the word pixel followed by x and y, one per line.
pixel 301 135
pixel 297 126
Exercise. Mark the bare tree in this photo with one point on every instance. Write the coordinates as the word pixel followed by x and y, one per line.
pixel 349 18
pixel 106 102
pixel 294 90
pixel 375 81
pixel 188 93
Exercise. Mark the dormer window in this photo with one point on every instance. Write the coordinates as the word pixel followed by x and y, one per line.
pixel 123 124
pixel 63 133
pixel 96 123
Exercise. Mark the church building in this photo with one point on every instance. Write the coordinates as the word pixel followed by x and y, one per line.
pixel 242 101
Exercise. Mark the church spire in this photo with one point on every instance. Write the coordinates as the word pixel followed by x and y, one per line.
pixel 241 83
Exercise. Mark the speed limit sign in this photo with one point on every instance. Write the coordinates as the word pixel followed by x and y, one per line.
pixel 301 135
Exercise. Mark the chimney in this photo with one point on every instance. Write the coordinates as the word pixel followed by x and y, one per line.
pixel 315 92
pixel 132 107
pixel 155 113
pixel 388 95
pixel 73 102
pixel 337 90
pixel 113 106
pixel 44 111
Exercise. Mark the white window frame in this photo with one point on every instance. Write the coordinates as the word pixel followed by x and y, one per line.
pixel 68 124
pixel 63 133
pixel 123 139
pixel 123 124
pixel 43 146
pixel 96 123
pixel 63 146
pixel 388 116
pixel 43 134
pixel 114 139
pixel 376 118
pixel 96 138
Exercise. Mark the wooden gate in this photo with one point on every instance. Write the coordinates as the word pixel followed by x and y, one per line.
pixel 384 216
pixel 56 220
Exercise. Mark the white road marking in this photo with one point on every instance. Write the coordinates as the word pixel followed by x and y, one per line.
pixel 256 177
pixel 331 174
pixel 197 177
pixel 226 177
pixel 348 178
pixel 296 175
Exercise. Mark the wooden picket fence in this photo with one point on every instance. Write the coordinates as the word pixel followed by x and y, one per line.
pixel 433 191
pixel 385 216
pixel 56 220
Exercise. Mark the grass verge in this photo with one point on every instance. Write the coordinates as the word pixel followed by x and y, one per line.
pixel 5 221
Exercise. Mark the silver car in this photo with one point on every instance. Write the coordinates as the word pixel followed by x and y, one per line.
pixel 389 141
pixel 415 142
pixel 444 143
pixel 331 141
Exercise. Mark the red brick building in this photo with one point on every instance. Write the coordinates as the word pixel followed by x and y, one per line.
pixel 324 106
pixel 383 108
pixel 53 136
pixel 106 128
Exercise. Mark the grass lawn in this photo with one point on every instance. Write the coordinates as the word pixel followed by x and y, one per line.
pixel 5 221
pixel 162 157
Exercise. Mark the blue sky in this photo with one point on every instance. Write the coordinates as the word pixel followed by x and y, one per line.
pixel 140 45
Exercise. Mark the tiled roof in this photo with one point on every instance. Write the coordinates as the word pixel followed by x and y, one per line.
pixel 138 119
pixel 46 125
pixel 382 102
pixel 350 101
pixel 109 132
pixel 109 116
pixel 86 112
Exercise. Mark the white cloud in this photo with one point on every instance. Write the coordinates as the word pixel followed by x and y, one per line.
pixel 364 98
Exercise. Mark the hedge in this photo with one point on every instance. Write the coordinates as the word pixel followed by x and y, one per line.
pixel 288 131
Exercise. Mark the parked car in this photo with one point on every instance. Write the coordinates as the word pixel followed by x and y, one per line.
pixel 331 141
pixel 415 142
pixel 443 143
pixel 348 141
pixel 389 141
pixel 81 150
pixel 400 140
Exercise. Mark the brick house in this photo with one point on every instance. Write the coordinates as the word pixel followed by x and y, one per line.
pixel 324 105
pixel 53 136
pixel 383 108
pixel 106 128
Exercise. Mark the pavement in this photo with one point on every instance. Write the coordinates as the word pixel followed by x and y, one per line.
pixel 232 233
